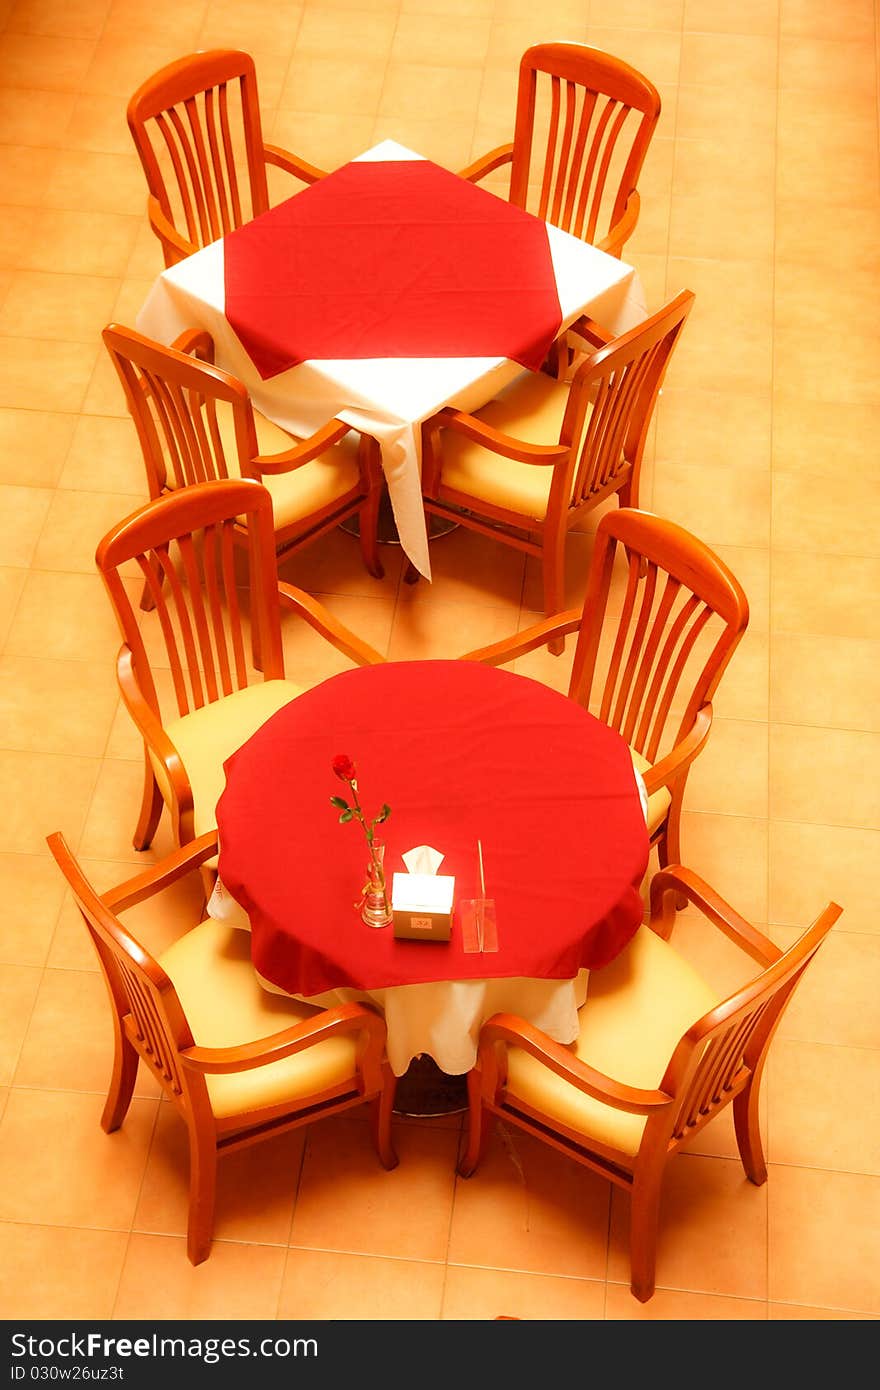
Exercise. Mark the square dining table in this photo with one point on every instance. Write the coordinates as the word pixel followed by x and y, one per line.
pixel 382 293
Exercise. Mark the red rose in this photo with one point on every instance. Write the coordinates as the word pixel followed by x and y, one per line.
pixel 344 767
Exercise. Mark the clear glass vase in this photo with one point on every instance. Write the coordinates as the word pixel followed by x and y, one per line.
pixel 376 907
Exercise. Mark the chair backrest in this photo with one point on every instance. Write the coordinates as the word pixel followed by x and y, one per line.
pixel 196 125
pixel 681 617
pixel 177 400
pixel 584 121
pixel 721 1050
pixel 184 547
pixel 611 403
pixel 138 986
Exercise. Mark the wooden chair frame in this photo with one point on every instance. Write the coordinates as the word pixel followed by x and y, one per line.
pixel 183 109
pixel 656 635
pixel 149 1025
pixel 172 395
pixel 193 589
pixel 718 1061
pixel 599 452
pixel 591 95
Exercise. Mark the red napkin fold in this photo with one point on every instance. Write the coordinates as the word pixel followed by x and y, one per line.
pixel 391 259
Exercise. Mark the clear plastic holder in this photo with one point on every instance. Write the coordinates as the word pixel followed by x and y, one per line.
pixel 479 927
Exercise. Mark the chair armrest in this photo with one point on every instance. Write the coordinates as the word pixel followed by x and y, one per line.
pixel 323 621
pixel 676 880
pixel 617 236
pixel 679 758
pixel 545 455
pixel 195 342
pixel 517 1032
pixel 152 729
pixel 175 866
pixel 304 451
pixel 538 635
pixel 502 154
pixel 346 1018
pixel 291 164
pixel 168 233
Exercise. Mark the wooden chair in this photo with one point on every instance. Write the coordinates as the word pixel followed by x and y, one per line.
pixel 239 1064
pixel 183 546
pixel 650 669
pixel 528 466
pixel 196 125
pixel 196 422
pixel 657 1056
pixel 584 121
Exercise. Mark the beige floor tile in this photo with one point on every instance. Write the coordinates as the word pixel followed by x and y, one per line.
pixel 333 565
pixel 49 62
pixel 812 18
pixel 807 516
pixel 724 428
pixel 256 1187
pixel 712 1235
pixel 828 595
pixel 329 1284
pixel 24 174
pixel 531 1209
pixel 695 169
pixel 730 776
pixel 824 1238
pixel 75 523
pixel 33 446
pixel 818 775
pixel 104 395
pixel 642 14
pixel 127 19
pixel 75 242
pixel 105 456
pixel 42 375
pixel 467 568
pixel 95 181
pixel 362 1214
pixel 35 1275
pixel 731 224
pixel 55 707
pixel 43 792
pixel 16 236
pixel 835 1002
pixel 113 813
pixel 69 1040
pixel 11 584
pixel 84 1177
pixel 795 1312
pixel 349 86
pixel 826 236
pixel 411 89
pixel 832 681
pixel 446 143
pixel 34 116
pixel 732 16
pixel 811 863
pixel 715 112
pixel 66 617
pixel 827 64
pixel 481 1294
pixel 420 38
pixel 94 124
pixel 328 139
pixel 670 1306
pixel 427 628
pixel 730 60
pixel 309 657
pixel 31 889
pixel 578 557
pixel 514 31
pixel 18 985
pixel 731 853
pixel 346 32
pixel 118 66
pixel 236 1281
pixel 728 333
pixel 655 52
pixel 825 156
pixel 718 505
pixel 832 1123
pixel 63 18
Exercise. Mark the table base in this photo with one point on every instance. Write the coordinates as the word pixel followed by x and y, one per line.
pixel 424 1090
pixel 386 530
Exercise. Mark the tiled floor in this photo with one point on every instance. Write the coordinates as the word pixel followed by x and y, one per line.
pixel 761 194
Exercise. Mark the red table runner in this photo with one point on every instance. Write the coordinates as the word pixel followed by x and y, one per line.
pixel 396 258
pixel 460 751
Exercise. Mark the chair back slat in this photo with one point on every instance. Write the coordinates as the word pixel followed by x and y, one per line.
pixel 196 125
pixel 584 121
pixel 650 669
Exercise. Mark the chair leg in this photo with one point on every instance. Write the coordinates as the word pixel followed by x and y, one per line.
pixel 644 1217
pixel 369 527
pixel 669 844
pixel 748 1133
pixel 553 564
pixel 125 1067
pixel 478 1128
pixel 202 1194
pixel 151 808
pixel 411 575
pixel 380 1121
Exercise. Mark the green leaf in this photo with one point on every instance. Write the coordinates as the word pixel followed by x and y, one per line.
pixel 346 816
pixel 339 802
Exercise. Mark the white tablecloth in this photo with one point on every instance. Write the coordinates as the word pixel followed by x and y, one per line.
pixel 385 397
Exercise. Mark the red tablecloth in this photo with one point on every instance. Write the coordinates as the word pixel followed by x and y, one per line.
pixel 391 259
pixel 460 751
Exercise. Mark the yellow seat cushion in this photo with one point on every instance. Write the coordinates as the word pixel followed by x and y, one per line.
pixel 637 1009
pixel 659 801
pixel 530 409
pixel 307 489
pixel 207 736
pixel 210 967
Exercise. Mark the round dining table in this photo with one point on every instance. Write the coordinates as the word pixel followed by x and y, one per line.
pixel 475 762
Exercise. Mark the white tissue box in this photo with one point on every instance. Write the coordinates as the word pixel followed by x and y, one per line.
pixel 422 906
